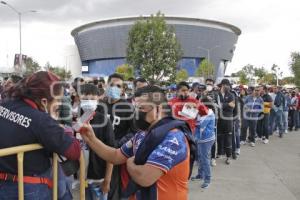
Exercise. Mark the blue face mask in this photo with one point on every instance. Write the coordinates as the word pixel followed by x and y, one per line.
pixel 114 92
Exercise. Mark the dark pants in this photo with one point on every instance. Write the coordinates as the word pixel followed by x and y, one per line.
pixel 115 184
pixel 236 135
pixel 9 190
pixel 251 124
pixel 213 150
pixel 293 119
pixel 263 126
pixel 272 121
pixel 225 137
pixel 214 146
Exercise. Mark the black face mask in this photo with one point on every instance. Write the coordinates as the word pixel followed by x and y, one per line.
pixel 183 97
pixel 227 88
pixel 141 122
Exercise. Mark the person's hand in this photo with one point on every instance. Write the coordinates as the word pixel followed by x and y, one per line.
pixel 190 105
pixel 87 133
pixel 105 186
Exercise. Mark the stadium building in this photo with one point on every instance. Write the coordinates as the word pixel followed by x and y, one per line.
pixel 102 44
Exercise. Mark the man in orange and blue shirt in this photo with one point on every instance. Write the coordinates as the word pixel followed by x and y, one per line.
pixel 163 174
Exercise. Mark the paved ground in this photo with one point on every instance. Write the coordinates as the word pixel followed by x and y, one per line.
pixel 265 172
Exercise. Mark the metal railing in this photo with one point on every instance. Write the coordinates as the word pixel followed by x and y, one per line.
pixel 20 150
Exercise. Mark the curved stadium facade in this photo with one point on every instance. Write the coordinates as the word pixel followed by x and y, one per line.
pixel 102 44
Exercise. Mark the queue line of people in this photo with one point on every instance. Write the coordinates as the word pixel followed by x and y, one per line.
pixel 142 139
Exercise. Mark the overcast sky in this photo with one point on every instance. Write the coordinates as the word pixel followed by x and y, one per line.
pixel 270 28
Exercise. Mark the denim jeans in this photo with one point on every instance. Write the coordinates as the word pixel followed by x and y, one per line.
pixel 237 134
pixel 285 119
pixel 93 192
pixel 204 153
pixel 278 122
pixel 9 190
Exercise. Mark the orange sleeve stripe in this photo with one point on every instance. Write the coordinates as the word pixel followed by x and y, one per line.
pixel 158 167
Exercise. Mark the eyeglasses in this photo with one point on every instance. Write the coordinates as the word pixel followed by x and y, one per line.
pixel 117 85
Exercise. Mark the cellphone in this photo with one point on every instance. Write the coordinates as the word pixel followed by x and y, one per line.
pixel 86 117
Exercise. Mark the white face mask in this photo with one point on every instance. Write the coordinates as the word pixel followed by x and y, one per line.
pixel 209 88
pixel 88 105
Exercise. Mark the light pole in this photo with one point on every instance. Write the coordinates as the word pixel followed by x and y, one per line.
pixel 20 28
pixel 208 51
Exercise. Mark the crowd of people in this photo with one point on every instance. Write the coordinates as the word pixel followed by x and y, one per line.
pixel 142 140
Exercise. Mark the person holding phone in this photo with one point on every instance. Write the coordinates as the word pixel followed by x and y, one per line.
pixel 165 172
pixel 98 169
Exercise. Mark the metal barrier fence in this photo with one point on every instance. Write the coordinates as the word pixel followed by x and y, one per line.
pixel 20 150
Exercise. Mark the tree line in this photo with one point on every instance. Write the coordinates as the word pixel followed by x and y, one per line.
pixel 32 66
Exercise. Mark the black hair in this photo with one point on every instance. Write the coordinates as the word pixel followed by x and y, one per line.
pixel 182 84
pixel 78 79
pixel 15 78
pixel 89 89
pixel 131 79
pixel 141 79
pixel 115 75
pixel 251 88
pixel 265 88
pixel 102 80
pixel 101 91
pixel 195 85
pixel 95 82
pixel 210 80
pixel 155 95
pixel 208 103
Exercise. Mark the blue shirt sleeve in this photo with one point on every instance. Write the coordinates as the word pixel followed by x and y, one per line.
pixel 127 148
pixel 172 151
pixel 51 135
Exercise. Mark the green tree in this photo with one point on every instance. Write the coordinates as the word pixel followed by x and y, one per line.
pixel 269 79
pixel 59 71
pixel 153 49
pixel 206 69
pixel 288 80
pixel 182 75
pixel 260 73
pixel 126 70
pixel 295 67
pixel 31 66
pixel 244 80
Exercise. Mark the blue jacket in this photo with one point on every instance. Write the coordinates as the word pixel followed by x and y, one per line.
pixel 279 101
pixel 288 102
pixel 253 107
pixel 205 128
